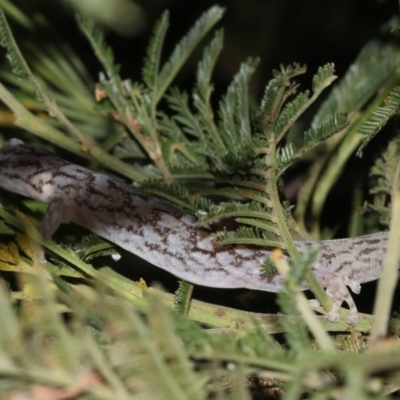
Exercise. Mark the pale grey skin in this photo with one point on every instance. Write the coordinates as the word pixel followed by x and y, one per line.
pixel 171 239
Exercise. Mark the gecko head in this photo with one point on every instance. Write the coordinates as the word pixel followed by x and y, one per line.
pixel 24 169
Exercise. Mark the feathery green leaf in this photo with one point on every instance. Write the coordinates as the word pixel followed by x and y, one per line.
pixel 291 113
pixel 152 61
pixel 102 51
pixel 324 77
pixel 375 63
pixel 185 47
pixel 334 124
pixel 379 117
pixel 206 66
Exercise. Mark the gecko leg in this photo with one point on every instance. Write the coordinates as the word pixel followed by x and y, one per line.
pixel 53 218
pixel 338 292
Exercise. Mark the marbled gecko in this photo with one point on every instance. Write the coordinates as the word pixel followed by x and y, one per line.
pixel 171 239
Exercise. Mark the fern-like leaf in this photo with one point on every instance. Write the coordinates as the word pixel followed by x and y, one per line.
pixel 268 102
pixel 179 102
pixel 174 193
pixel 276 93
pixel 234 210
pixel 291 113
pixel 182 298
pixel 324 77
pixel 103 52
pixel 234 108
pixel 285 156
pixel 375 63
pixel 249 235
pixel 18 63
pixel 206 66
pixel 185 47
pixel 152 61
pixel 288 154
pixel 379 117
pixel 334 124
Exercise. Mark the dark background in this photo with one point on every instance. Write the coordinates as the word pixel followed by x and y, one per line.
pixel 311 32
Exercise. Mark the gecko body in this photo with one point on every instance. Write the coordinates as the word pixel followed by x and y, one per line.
pixel 170 239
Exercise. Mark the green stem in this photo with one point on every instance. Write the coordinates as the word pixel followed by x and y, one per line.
pixel 388 281
pixel 312 282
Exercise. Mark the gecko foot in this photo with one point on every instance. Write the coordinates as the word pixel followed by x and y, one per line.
pixel 336 289
pixel 333 315
pixel 339 293
pixel 352 319
pixel 314 304
pixel 53 217
pixel 354 286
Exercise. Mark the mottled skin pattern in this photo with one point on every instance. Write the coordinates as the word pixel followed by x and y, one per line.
pixel 171 239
